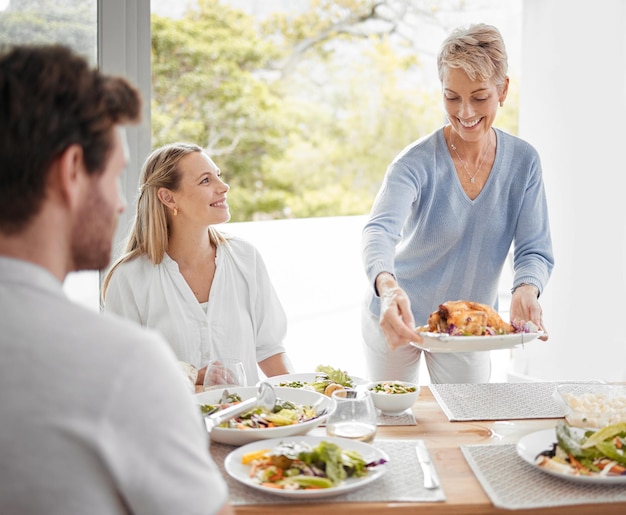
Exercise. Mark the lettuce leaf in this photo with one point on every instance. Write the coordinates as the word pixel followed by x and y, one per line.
pixel 336 375
pixel 336 463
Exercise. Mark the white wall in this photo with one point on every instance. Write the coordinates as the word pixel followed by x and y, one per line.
pixel 573 109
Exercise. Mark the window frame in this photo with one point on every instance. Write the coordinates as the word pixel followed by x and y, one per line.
pixel 124 48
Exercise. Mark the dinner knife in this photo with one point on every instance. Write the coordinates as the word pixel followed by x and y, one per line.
pixel 431 480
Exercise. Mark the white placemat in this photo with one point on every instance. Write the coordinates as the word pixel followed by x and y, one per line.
pixel 498 401
pixel 513 484
pixel 403 482
pixel 406 419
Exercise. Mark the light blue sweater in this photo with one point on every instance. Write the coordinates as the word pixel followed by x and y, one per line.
pixel 443 246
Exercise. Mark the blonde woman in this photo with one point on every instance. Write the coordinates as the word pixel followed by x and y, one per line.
pixel 209 294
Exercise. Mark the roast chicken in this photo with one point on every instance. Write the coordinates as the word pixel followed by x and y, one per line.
pixel 466 318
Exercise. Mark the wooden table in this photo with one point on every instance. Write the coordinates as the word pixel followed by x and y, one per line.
pixel 463 491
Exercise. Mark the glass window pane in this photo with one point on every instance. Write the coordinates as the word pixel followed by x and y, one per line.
pixel 73 23
pixel 70 22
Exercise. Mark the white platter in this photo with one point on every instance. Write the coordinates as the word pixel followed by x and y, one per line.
pixel 442 342
pixel 233 436
pixel 535 443
pixel 241 472
pixel 308 378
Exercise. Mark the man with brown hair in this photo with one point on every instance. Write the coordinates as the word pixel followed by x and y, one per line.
pixel 96 416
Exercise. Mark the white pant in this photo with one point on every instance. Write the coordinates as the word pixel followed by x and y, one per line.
pixel 402 364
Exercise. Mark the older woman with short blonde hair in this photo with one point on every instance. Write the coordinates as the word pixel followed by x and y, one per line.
pixel 450 207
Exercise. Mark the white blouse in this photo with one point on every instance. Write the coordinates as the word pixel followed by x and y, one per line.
pixel 243 319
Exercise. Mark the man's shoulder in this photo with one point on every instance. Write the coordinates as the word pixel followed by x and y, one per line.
pixel 121 340
pixel 126 329
pixel 110 327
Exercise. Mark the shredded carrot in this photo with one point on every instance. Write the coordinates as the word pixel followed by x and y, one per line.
pixel 615 468
pixel 277 475
pixel 253 468
pixel 273 485
pixel 618 442
pixel 578 465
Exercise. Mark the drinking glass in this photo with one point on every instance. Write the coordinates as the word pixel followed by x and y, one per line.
pixel 354 417
pixel 224 372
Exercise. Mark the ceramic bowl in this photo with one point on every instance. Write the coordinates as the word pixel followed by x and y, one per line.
pixel 231 436
pixel 388 398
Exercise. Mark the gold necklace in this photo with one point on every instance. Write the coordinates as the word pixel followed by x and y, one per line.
pixel 472 178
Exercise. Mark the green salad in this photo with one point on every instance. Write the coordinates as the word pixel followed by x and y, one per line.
pixel 327 379
pixel 284 413
pixel 587 453
pixel 298 466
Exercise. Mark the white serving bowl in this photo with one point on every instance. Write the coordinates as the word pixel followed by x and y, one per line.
pixel 393 404
pixel 232 436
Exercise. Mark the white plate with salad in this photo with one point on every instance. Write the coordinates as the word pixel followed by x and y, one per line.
pixel 319 380
pixel 310 466
pixel 304 410
pixel 443 342
pixel 531 446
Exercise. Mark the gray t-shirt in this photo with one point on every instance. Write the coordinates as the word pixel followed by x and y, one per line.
pixel 95 415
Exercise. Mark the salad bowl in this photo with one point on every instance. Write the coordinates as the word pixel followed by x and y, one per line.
pixel 393 398
pixel 319 407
